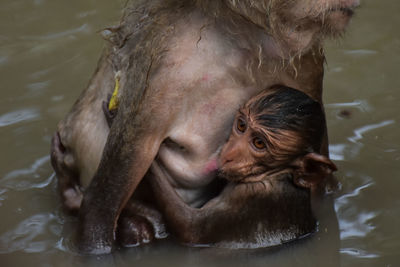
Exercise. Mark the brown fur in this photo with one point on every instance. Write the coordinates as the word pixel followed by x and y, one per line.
pixel 185 68
pixel 267 199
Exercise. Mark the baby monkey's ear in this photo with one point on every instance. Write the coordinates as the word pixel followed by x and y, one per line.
pixel 311 169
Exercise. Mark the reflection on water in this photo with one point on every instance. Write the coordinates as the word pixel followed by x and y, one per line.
pixel 357 227
pixel 25 179
pixel 58 36
pixel 354 225
pixel 48 50
pixel 342 151
pixel 361 52
pixel 362 105
pixel 18 116
pixel 359 253
pixel 2 196
pixel 31 235
pixel 358 133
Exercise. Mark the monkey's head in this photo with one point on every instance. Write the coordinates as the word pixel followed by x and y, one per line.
pixel 280 129
pixel 297 24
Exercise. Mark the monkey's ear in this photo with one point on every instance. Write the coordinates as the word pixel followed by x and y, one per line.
pixel 311 169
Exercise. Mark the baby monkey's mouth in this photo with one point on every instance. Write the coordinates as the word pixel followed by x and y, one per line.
pixel 242 175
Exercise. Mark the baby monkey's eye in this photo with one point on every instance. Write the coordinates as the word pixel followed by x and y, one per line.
pixel 241 125
pixel 259 143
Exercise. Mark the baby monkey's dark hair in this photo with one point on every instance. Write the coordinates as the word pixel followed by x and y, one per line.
pixel 289 114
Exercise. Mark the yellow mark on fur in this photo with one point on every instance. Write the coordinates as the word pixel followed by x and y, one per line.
pixel 114 98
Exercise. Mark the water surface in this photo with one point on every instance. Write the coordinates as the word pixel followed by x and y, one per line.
pixel 48 51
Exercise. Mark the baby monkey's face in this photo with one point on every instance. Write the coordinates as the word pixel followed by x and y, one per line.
pixel 246 154
pixel 271 132
pixel 254 150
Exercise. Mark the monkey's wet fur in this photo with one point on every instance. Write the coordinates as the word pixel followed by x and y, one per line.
pixel 184 68
pixel 271 161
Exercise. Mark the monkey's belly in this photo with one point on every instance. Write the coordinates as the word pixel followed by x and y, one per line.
pixel 188 173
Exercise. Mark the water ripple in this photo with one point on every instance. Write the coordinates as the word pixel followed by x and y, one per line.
pixel 362 105
pixel 25 179
pixel 358 226
pixel 38 85
pixel 361 52
pixel 18 116
pixel 336 151
pixel 340 151
pixel 358 133
pixel 2 195
pixel 27 235
pixel 3 60
pixel 359 253
pixel 85 28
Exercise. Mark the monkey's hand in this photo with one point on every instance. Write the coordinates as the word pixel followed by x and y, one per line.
pixel 140 223
pixel 67 176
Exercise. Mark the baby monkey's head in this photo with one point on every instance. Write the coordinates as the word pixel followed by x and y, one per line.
pixel 278 129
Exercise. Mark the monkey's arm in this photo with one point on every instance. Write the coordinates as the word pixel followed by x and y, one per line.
pixel 124 163
pixel 140 126
pixel 190 225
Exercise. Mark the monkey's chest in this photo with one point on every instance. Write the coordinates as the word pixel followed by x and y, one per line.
pixel 202 96
pixel 190 153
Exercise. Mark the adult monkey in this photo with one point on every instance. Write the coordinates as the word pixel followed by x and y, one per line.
pixel 186 66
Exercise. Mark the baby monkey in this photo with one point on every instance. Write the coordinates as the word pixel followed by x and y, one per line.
pixel 271 162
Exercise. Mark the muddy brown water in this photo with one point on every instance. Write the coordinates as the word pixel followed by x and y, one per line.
pixel 48 51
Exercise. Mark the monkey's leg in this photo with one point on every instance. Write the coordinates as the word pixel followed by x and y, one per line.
pixel 67 176
pixel 127 156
